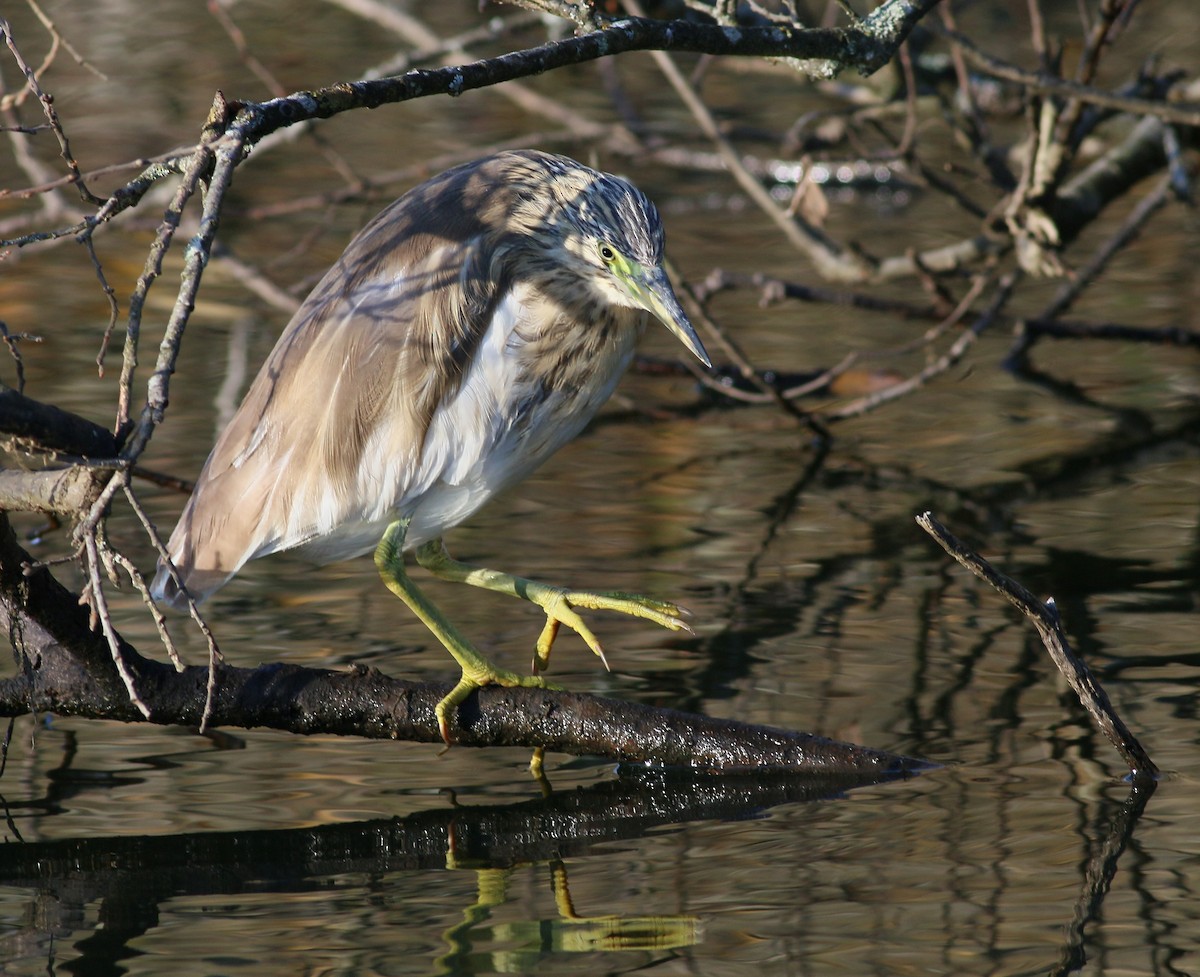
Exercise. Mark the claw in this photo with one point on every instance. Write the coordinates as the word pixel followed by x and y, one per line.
pixel 559 605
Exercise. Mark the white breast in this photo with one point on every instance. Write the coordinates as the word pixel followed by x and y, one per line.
pixel 492 433
pixel 500 427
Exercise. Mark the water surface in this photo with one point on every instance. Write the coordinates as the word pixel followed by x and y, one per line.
pixel 819 605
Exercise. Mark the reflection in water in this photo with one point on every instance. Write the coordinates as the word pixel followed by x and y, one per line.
pixel 134 878
pixel 874 879
pixel 533 940
pixel 1101 868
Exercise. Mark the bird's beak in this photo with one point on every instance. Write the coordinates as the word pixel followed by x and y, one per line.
pixel 653 291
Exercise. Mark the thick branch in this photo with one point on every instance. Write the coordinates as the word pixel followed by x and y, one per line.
pixel 1141 154
pixel 68 669
pixel 46 429
pixel 867 47
pixel 365 702
pixel 65 491
pixel 53 429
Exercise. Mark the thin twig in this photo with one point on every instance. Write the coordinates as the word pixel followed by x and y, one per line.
pixel 187 187
pixel 218 10
pixel 1183 113
pixel 215 658
pixel 114 310
pixel 24 193
pixel 1112 332
pixel 939 366
pixel 1130 228
pixel 833 261
pixel 1037 33
pixel 713 331
pixel 415 32
pixel 10 340
pixel 100 607
pixel 495 29
pixel 160 622
pixel 52 28
pixel 47 103
pixel 254 281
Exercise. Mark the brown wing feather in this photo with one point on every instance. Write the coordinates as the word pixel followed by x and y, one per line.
pixel 381 341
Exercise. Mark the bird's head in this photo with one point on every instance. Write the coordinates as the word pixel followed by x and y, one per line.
pixel 610 235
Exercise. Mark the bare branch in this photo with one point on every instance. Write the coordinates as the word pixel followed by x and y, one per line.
pixel 939 366
pixel 47 103
pixel 1044 617
pixel 94 594
pixel 1182 113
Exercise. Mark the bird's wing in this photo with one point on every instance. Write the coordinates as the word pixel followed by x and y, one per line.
pixel 330 432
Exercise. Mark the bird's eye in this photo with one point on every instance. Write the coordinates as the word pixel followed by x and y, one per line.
pixel 607 254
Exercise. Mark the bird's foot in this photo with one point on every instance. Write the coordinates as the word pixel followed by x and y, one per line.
pixel 559 603
pixel 475 677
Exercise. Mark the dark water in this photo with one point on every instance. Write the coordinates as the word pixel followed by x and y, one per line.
pixel 819 605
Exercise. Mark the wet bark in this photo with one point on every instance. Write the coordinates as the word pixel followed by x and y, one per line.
pixel 66 668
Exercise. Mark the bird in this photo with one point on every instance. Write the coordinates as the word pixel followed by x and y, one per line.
pixel 468 331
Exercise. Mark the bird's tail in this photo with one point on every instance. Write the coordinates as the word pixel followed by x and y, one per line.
pixel 200 585
pixel 201 581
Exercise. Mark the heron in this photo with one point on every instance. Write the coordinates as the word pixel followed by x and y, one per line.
pixel 468 332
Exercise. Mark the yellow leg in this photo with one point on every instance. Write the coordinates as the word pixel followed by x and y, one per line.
pixel 559 603
pixel 476 669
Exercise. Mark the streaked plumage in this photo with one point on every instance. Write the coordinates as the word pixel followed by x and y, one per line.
pixel 468 332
